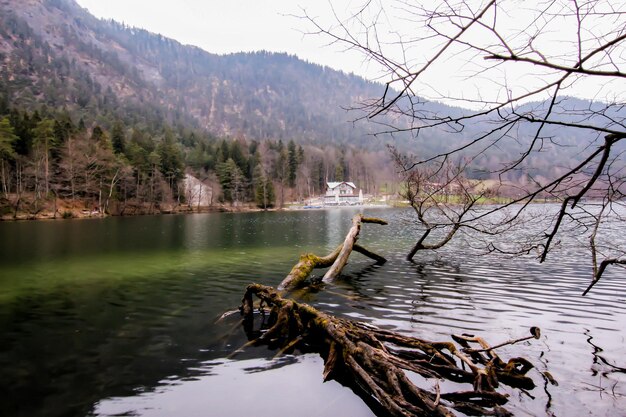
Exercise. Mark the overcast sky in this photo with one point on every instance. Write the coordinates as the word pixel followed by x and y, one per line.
pixel 233 26
pixel 253 25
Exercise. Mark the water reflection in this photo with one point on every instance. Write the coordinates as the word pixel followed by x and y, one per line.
pixel 600 364
pixel 118 316
pixel 238 388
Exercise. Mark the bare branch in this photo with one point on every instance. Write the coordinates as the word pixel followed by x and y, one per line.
pixel 527 62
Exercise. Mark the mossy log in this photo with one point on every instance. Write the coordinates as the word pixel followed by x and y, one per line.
pixel 374 362
pixel 336 260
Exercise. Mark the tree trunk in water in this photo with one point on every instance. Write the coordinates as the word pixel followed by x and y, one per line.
pixel 374 361
pixel 301 271
pixel 348 244
pixel 418 245
pixel 335 260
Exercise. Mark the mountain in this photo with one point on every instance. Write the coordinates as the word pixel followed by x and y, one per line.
pixel 55 52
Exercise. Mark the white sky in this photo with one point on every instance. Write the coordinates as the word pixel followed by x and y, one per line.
pixel 229 26
pixel 233 26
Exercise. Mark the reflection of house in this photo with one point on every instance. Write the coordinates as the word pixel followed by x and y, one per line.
pixel 341 193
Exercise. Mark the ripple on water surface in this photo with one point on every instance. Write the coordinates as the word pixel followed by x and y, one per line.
pixel 128 326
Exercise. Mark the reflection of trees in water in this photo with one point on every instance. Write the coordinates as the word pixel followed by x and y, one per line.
pixel 547 378
pixel 354 290
pixel 64 352
pixel 598 359
pixel 435 277
pixel 360 284
pixel 603 368
pixel 420 285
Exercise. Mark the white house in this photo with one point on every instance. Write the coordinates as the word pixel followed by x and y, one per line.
pixel 342 193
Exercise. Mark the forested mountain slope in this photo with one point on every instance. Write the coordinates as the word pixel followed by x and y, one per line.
pixel 97 111
pixel 55 52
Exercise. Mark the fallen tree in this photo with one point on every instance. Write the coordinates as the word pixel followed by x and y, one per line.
pixel 336 260
pixel 374 361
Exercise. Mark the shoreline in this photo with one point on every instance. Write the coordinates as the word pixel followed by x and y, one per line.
pixel 80 214
pixel 64 210
pixel 86 214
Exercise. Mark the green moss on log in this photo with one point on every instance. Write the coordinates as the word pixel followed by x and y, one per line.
pixel 374 360
pixel 335 260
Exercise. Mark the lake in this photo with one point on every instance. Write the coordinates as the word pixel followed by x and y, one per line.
pixel 118 316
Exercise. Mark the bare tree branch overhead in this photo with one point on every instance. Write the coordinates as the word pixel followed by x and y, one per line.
pixel 518 79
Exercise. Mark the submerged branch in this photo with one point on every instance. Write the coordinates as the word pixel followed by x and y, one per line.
pixel 374 361
pixel 336 260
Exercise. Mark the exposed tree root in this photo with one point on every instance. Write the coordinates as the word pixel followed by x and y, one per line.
pixel 335 260
pixel 375 361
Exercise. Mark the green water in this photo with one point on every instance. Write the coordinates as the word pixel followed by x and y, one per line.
pixel 118 316
pixel 47 256
pixel 94 308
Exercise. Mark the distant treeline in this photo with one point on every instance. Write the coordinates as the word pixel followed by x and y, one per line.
pixel 46 154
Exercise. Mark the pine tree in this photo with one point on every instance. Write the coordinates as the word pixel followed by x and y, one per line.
pixel 171 161
pixel 292 164
pixel 339 173
pixel 97 134
pixel 236 154
pixel 118 138
pixel 232 181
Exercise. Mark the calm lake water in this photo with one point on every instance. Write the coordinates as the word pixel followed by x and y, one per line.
pixel 117 316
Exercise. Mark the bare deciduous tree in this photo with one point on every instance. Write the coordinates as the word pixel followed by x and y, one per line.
pixel 512 69
pixel 442 198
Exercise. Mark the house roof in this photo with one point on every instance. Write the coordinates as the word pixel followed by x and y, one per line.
pixel 333 185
